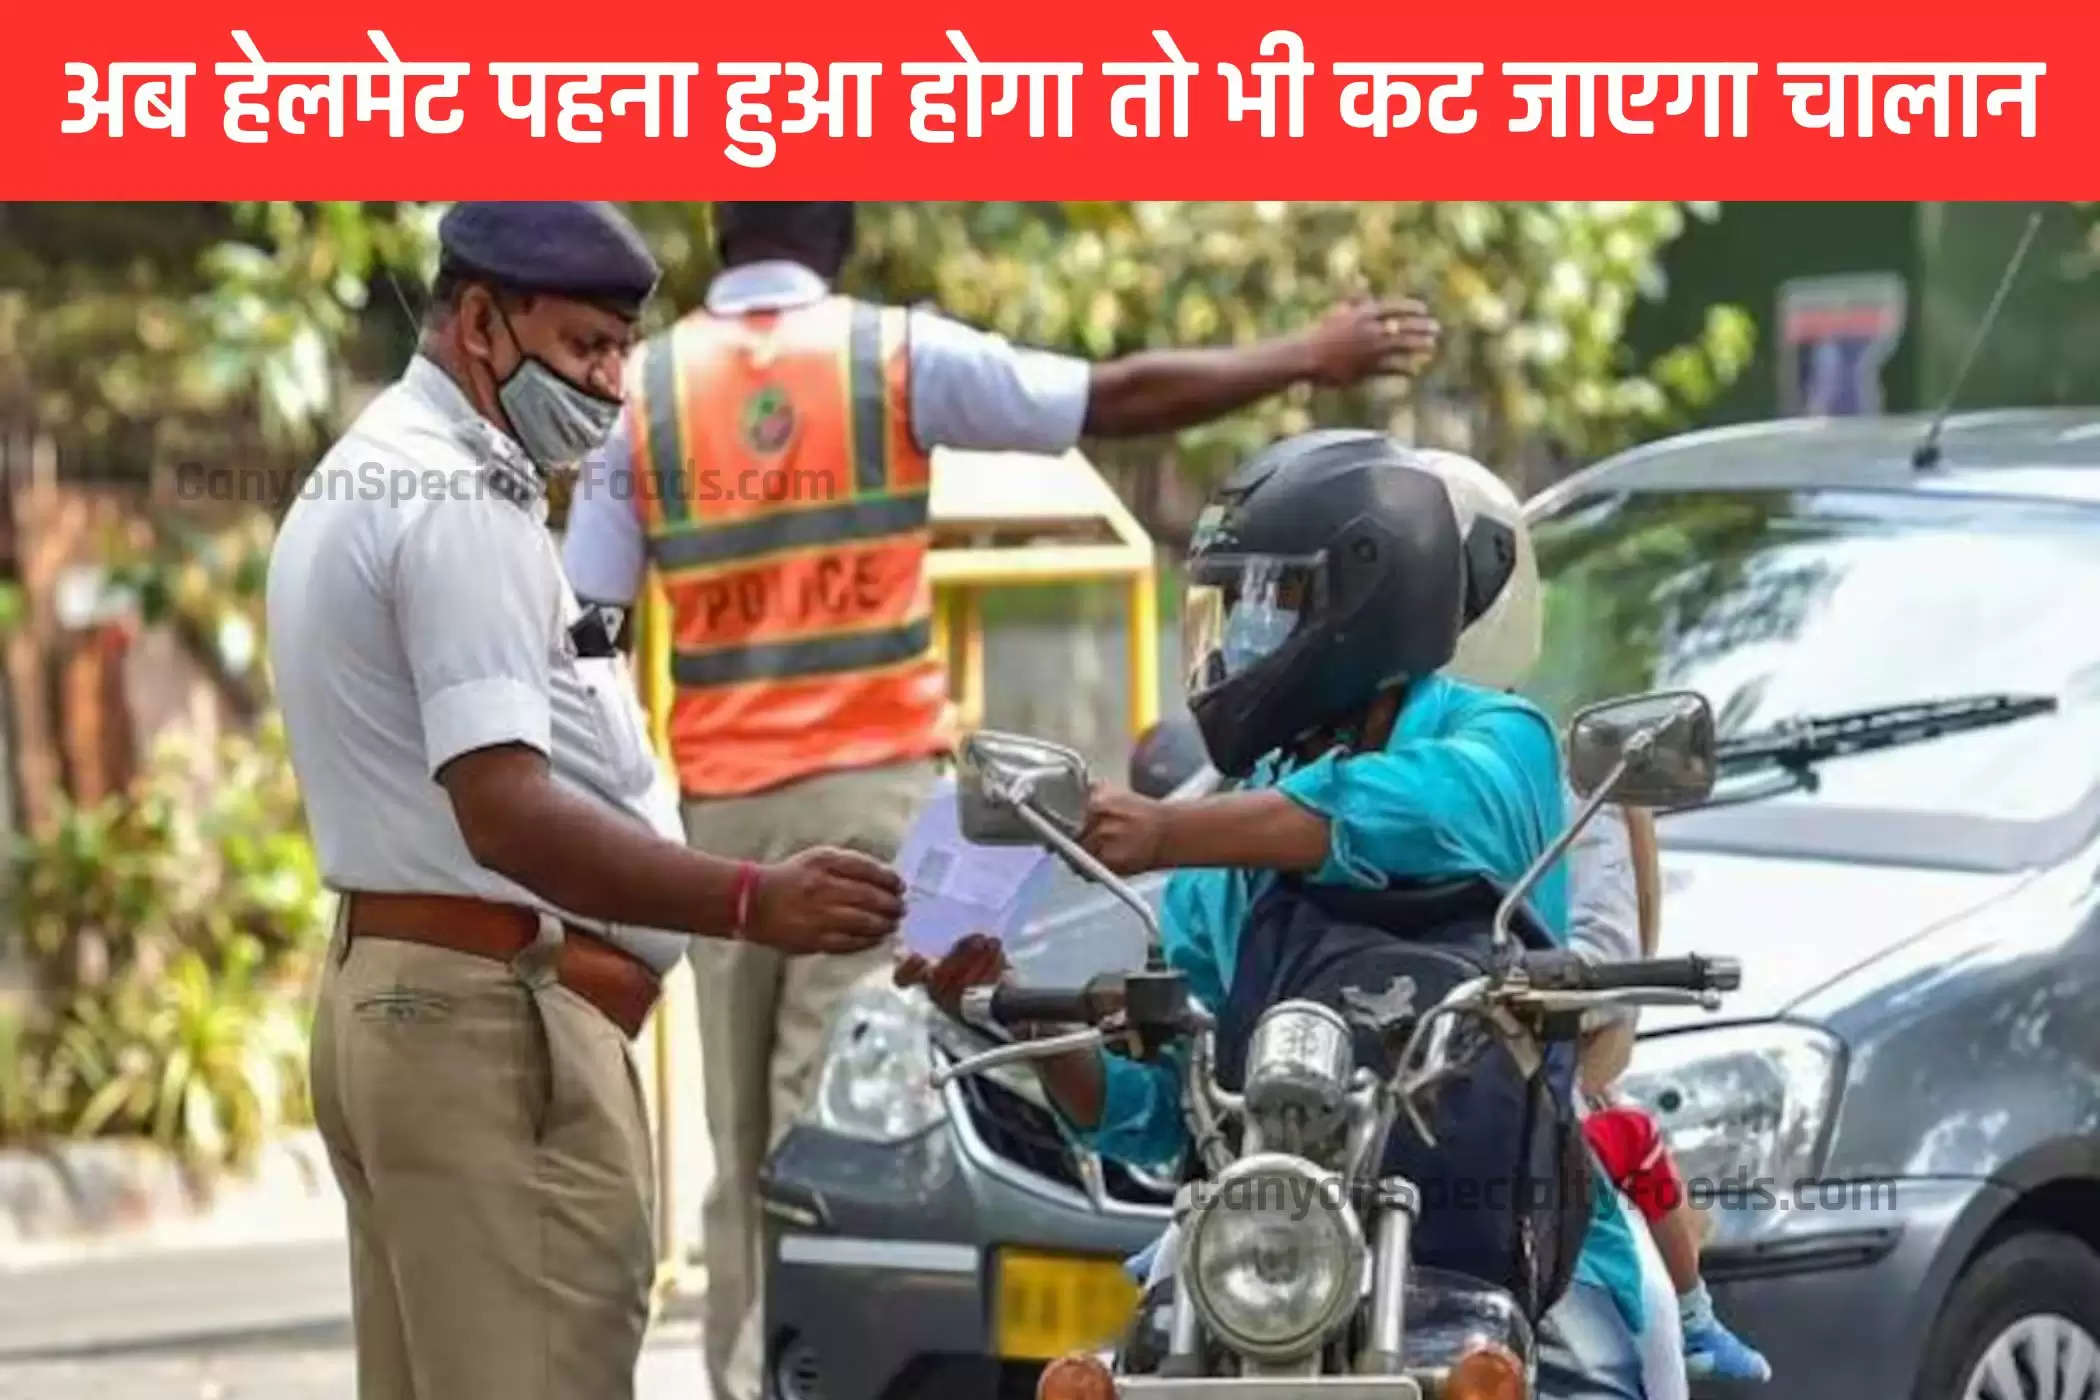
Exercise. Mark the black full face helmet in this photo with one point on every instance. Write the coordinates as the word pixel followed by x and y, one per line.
pixel 1328 567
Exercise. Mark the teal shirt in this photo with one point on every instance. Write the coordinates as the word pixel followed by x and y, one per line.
pixel 1468 784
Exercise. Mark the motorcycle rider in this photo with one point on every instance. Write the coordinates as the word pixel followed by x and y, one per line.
pixel 1329 583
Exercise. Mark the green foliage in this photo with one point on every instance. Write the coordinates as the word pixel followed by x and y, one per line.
pixel 171 933
pixel 1534 299
pixel 286 298
pixel 136 331
pixel 207 585
pixel 274 300
pixel 20 1091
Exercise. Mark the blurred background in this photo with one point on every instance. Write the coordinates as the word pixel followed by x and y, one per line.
pixel 159 906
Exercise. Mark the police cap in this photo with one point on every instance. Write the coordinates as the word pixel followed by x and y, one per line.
pixel 577 248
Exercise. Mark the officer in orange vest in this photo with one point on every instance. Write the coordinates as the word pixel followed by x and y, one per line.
pixel 773 463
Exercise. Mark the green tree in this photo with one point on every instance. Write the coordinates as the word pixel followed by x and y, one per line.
pixel 125 316
pixel 140 333
pixel 1534 298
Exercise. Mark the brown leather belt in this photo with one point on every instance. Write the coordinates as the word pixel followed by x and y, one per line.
pixel 616 983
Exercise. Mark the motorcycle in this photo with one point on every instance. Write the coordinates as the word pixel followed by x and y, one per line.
pixel 1289 1256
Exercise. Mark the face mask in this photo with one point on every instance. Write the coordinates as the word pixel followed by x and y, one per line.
pixel 554 420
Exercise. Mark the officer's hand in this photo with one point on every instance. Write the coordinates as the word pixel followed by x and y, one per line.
pixel 1361 338
pixel 976 960
pixel 825 900
pixel 1125 832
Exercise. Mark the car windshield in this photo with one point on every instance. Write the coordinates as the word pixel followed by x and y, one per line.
pixel 1783 605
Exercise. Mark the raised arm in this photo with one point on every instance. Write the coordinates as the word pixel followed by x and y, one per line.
pixel 976 391
pixel 1157 391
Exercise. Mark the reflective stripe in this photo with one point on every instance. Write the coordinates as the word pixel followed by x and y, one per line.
pixel 789 529
pixel 811 656
pixel 660 394
pixel 871 439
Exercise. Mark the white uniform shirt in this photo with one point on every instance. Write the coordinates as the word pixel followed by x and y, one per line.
pixel 417 611
pixel 969 390
pixel 1604 903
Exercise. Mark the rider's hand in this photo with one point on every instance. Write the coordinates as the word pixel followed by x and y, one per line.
pixel 976 960
pixel 1125 832
pixel 1361 338
pixel 825 900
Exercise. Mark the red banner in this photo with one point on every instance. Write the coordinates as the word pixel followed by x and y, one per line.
pixel 398 100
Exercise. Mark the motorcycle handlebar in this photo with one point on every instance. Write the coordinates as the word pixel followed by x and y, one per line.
pixel 1022 1005
pixel 1009 1006
pixel 1565 972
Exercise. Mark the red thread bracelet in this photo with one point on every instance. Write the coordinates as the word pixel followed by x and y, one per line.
pixel 746 889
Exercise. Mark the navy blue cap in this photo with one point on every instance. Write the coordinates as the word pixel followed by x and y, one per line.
pixel 581 248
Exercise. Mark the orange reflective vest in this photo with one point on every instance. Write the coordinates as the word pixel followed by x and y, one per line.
pixel 784 501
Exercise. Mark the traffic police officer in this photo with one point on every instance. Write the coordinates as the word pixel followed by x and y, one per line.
pixel 472 762
pixel 774 463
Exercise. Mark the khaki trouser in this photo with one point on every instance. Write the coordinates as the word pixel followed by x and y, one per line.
pixel 487 1128
pixel 762 1023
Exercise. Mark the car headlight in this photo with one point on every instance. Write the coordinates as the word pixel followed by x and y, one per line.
pixel 1743 1107
pixel 875 1082
pixel 1275 1257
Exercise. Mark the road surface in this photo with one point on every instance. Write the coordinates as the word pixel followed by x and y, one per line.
pixel 313 1365
pixel 251 1323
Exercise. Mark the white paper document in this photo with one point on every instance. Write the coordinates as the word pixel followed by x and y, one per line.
pixel 953 888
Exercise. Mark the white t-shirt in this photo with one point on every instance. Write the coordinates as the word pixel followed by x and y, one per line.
pixel 417 612
pixel 1604 903
pixel 1662 1333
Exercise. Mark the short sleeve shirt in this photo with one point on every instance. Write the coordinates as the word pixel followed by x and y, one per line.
pixel 1604 907
pixel 418 612
pixel 968 390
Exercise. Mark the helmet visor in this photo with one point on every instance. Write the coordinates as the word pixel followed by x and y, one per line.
pixel 1240 608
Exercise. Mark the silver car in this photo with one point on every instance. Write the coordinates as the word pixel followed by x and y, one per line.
pixel 1895 1125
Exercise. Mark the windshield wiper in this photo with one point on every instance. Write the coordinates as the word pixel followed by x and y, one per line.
pixel 1797 746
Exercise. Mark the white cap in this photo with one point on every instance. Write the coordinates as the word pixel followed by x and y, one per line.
pixel 1498 648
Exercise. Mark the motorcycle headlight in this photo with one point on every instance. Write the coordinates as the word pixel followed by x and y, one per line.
pixel 1275 1257
pixel 875 1081
pixel 1743 1107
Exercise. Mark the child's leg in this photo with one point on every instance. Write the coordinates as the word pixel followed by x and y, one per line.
pixel 1629 1144
pixel 1677 1235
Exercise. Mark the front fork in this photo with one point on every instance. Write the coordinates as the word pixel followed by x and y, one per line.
pixel 1398 1204
pixel 1184 1359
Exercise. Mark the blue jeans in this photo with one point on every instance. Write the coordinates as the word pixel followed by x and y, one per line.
pixel 1586 1351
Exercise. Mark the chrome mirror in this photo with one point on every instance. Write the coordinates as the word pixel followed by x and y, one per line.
pixel 1653 750
pixel 1000 775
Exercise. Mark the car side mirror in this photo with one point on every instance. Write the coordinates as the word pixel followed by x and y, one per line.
pixel 1002 776
pixel 1652 750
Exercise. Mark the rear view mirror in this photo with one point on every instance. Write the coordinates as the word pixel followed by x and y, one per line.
pixel 1001 773
pixel 1653 750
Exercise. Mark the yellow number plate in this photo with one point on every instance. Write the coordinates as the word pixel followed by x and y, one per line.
pixel 1050 1304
